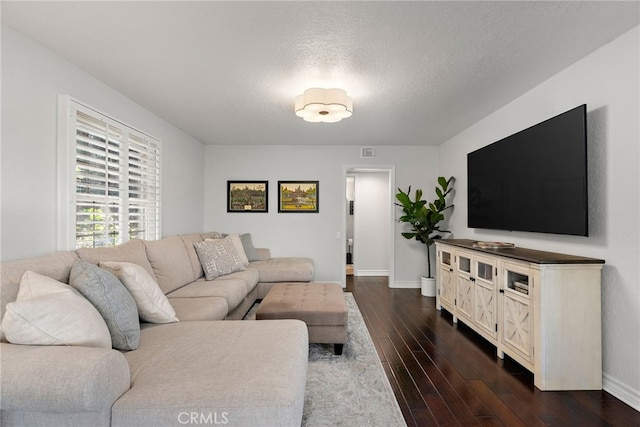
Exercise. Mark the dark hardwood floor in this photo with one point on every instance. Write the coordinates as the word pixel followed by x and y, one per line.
pixel 445 374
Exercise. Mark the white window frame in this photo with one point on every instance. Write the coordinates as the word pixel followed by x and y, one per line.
pixel 66 174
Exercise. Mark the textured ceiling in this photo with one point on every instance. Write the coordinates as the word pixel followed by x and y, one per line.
pixel 228 72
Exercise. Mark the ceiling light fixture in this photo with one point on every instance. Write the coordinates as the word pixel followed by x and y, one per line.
pixel 324 105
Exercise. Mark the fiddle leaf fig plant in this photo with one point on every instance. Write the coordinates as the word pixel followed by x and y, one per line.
pixel 423 216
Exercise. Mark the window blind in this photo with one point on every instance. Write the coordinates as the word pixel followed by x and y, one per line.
pixel 117 181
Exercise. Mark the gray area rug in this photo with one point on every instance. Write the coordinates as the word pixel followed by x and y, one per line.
pixel 351 389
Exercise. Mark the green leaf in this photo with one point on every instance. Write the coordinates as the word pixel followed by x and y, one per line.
pixel 442 181
pixel 403 198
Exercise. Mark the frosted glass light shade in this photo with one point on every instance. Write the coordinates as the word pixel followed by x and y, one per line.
pixel 324 105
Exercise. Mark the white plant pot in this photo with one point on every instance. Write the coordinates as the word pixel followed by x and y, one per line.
pixel 428 286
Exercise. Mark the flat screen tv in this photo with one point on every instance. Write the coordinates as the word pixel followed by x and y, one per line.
pixel 534 180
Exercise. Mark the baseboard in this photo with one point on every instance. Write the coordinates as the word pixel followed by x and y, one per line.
pixel 406 285
pixel 621 391
pixel 363 273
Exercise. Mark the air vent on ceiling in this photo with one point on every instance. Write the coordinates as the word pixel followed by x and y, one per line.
pixel 368 152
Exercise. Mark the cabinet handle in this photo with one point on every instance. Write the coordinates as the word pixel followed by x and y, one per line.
pixel 473 279
pixel 501 291
pixel 451 269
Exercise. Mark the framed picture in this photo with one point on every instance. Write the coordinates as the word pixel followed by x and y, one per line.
pixel 247 196
pixel 298 196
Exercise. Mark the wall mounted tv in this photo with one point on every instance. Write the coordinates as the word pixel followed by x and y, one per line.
pixel 534 180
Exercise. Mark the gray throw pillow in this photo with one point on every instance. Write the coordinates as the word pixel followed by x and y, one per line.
pixel 249 249
pixel 112 300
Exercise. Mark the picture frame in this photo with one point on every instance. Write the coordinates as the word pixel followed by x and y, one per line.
pixel 248 196
pixel 299 196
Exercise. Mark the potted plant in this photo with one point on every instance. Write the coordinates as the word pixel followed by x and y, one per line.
pixel 424 218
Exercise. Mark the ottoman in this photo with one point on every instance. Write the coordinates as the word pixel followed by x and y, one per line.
pixel 320 305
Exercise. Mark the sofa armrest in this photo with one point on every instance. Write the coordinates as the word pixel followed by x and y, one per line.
pixel 61 378
pixel 264 253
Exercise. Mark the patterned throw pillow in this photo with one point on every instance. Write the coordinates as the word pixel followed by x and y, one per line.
pixel 218 257
pixel 112 300
pixel 237 243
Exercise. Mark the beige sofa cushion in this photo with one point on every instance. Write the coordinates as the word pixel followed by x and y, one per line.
pixel 61 385
pixel 284 269
pixel 250 277
pixel 231 289
pixel 131 251
pixel 189 240
pixel 263 254
pixel 56 265
pixel 203 308
pixel 170 262
pixel 254 372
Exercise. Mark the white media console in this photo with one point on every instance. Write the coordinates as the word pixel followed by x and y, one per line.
pixel 542 309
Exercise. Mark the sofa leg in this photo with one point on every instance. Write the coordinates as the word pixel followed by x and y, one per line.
pixel 337 348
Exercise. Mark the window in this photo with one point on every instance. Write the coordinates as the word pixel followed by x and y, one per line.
pixel 112 181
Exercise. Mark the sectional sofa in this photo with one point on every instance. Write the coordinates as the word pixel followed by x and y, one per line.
pixel 198 366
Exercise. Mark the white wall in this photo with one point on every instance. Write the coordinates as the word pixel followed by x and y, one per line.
pixel 371 224
pixel 32 79
pixel 608 82
pixel 305 234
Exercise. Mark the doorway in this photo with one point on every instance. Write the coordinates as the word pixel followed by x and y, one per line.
pixel 351 191
pixel 369 221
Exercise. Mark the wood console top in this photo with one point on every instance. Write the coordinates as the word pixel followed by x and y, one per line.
pixel 524 254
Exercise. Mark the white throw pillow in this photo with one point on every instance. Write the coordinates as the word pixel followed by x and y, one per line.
pixel 48 312
pixel 153 305
pixel 237 243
